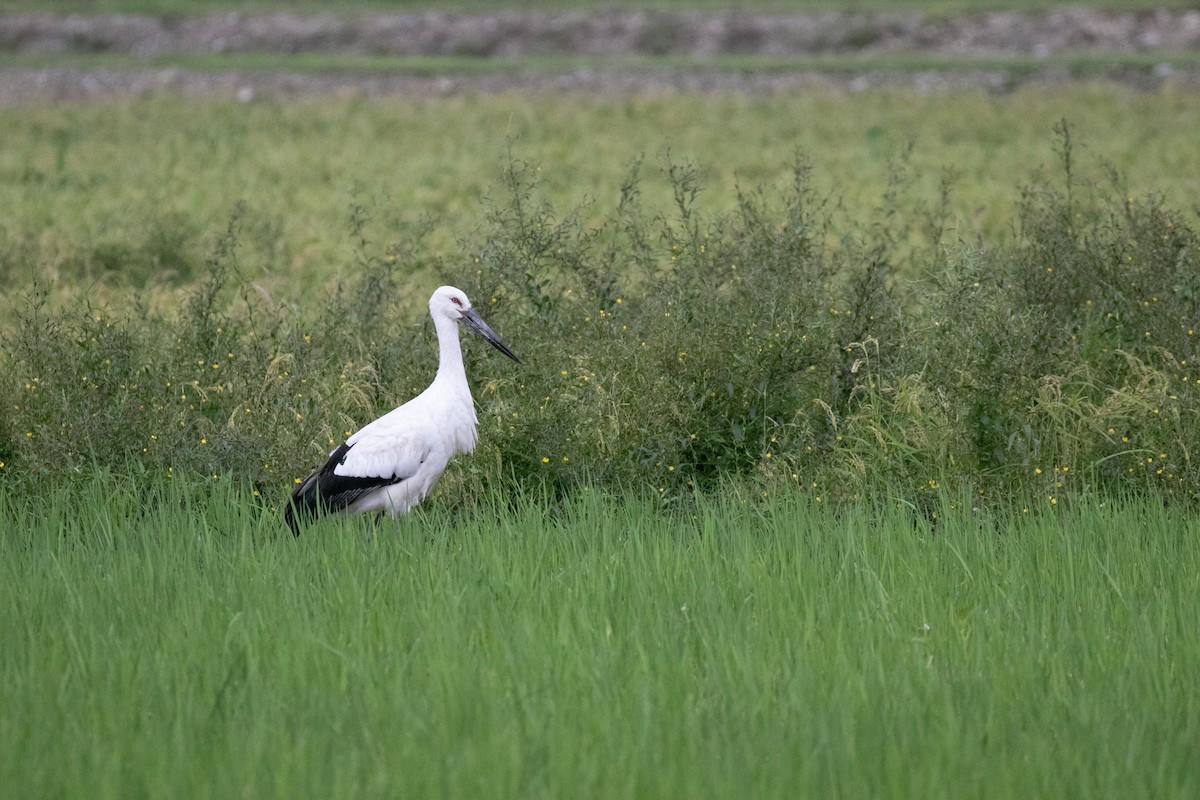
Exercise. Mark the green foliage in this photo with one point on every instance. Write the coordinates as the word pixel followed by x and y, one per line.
pixel 759 346
pixel 673 350
pixel 1077 348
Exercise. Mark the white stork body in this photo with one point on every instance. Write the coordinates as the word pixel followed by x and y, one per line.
pixel 392 463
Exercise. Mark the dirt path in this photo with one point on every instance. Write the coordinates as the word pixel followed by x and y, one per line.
pixel 506 35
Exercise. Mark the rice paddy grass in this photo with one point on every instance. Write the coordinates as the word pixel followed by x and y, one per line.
pixel 173 641
pixel 114 192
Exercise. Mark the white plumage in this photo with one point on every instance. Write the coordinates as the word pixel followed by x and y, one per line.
pixel 392 463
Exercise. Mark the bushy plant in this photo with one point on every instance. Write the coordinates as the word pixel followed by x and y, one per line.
pixel 778 346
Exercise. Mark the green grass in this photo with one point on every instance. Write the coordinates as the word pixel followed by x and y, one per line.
pixel 132 190
pixel 165 641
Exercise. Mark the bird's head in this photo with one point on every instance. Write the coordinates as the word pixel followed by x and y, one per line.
pixel 449 302
pixel 453 304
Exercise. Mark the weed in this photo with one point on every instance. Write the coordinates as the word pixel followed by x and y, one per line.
pixel 675 351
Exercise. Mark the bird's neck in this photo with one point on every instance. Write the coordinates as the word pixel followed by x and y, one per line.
pixel 450 360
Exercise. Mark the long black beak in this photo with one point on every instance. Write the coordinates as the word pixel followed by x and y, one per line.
pixel 476 323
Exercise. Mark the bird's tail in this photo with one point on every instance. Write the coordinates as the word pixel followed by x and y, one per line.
pixel 289 516
pixel 301 506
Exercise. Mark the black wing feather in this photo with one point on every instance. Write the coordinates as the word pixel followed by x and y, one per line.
pixel 325 491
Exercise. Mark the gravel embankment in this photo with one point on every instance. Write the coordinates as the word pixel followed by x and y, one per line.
pixel 511 34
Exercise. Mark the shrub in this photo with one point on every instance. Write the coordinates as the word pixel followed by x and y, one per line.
pixel 777 346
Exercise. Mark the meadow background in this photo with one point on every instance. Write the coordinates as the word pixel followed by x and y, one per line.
pixel 854 451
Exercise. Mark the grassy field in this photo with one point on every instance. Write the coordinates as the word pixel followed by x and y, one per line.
pixel 853 453
pixel 938 289
pixel 126 191
pixel 164 641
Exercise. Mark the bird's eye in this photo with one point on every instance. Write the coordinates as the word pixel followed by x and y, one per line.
pixel 456 301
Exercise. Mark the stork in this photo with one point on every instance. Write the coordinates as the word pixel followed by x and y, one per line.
pixel 392 463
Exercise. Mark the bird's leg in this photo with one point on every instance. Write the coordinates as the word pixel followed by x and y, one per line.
pixel 375 521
